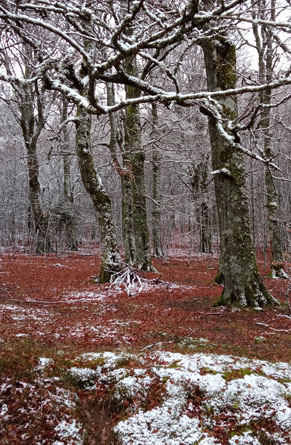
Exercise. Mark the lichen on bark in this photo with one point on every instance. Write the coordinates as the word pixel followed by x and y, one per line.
pixel 243 285
pixel 135 227
pixel 111 260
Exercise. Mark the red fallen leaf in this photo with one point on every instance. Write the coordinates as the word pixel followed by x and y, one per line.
pixel 155 431
pixel 88 414
pixel 126 403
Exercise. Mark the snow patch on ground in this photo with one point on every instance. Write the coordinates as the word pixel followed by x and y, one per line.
pixel 18 313
pixel 199 393
pixel 42 402
pixel 75 297
pixel 44 363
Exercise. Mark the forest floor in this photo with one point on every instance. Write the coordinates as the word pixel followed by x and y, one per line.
pixel 84 363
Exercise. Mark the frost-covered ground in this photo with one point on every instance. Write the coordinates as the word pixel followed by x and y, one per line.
pixel 39 413
pixel 171 398
pixel 51 312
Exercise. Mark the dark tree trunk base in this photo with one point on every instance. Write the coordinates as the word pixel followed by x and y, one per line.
pixel 254 294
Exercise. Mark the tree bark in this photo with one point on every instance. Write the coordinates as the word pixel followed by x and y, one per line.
pixel 67 210
pixel 31 128
pixel 134 202
pixel 111 260
pixel 198 180
pixel 156 213
pixel 243 285
pixel 264 45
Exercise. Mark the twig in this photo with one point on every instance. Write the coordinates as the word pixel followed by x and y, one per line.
pixel 128 278
pixel 280 330
pixel 211 313
pixel 263 324
pixel 14 300
pixel 273 329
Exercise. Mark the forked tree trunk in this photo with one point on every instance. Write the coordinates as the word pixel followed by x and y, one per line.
pixel 126 176
pixel 111 260
pixel 30 102
pixel 243 285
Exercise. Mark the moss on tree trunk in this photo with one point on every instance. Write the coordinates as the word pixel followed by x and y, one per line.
pixel 133 160
pixel 111 260
pixel 243 285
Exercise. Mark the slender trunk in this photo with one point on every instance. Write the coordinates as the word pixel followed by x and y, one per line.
pixel 243 285
pixel 67 216
pixel 127 220
pixel 156 213
pixel 264 46
pixel 272 201
pixel 205 234
pixel 41 222
pixel 198 180
pixel 111 260
pixel 30 134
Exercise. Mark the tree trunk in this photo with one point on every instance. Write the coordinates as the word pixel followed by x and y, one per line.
pixel 68 219
pixel 41 222
pixel 126 176
pixel 26 97
pixel 133 164
pixel 266 60
pixel 243 285
pixel 198 180
pixel 111 260
pixel 156 213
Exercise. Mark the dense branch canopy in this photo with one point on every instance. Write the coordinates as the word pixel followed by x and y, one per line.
pixel 79 48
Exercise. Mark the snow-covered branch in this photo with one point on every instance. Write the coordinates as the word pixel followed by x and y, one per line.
pixel 6 15
pixel 228 132
pixel 167 97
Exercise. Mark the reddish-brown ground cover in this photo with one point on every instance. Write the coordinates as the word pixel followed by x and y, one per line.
pixel 53 302
pixel 51 307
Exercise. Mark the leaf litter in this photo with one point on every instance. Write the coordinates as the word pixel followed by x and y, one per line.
pixel 159 364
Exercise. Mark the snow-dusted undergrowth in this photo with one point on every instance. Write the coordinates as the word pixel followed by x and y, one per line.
pixel 197 394
pixel 44 403
pixel 165 399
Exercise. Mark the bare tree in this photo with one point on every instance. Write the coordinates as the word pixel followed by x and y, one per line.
pixel 266 10
pixel 31 106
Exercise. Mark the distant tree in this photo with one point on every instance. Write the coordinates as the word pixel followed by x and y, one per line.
pixel 156 172
pixel 265 43
pixel 199 182
pixel 30 104
pixel 65 210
